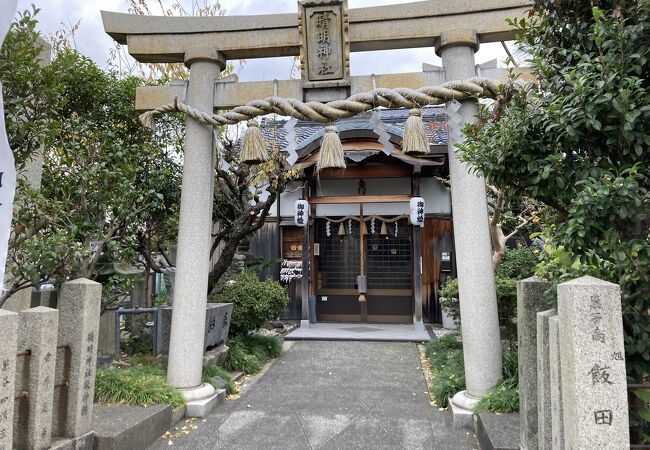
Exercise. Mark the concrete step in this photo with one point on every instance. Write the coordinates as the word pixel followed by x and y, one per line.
pixel 497 431
pixel 129 427
pixel 237 376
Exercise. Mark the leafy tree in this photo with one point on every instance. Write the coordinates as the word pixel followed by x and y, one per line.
pixel 238 211
pixel 578 143
pixel 29 89
pixel 510 217
pixel 110 189
pixel 243 198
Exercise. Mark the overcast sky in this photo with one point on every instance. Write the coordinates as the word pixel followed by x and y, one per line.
pixel 92 41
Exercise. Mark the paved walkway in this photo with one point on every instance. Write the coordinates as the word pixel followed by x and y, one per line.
pixel 331 395
pixel 359 332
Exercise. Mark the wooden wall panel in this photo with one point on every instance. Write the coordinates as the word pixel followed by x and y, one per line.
pixel 264 244
pixel 437 237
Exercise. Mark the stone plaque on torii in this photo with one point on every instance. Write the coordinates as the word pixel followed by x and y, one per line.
pixel 324 43
pixel 321 33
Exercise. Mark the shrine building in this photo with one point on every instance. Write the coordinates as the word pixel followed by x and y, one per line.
pixel 370 197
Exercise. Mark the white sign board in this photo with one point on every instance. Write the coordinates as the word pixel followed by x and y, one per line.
pixel 301 214
pixel 7 167
pixel 416 211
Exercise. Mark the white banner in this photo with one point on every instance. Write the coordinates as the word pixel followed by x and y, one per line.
pixel 7 167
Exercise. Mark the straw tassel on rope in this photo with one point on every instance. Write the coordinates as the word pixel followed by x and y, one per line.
pixel 415 138
pixel 331 151
pixel 253 145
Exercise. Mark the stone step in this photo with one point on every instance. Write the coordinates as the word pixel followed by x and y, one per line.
pixel 84 442
pixel 129 427
pixel 237 376
pixel 497 431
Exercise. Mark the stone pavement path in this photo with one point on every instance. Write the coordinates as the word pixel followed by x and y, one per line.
pixel 331 395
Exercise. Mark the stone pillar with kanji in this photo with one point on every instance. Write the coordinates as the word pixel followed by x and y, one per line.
pixel 593 377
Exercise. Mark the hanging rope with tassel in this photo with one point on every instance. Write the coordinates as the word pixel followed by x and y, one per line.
pixel 415 137
pixel 339 109
pixel 331 154
pixel 253 145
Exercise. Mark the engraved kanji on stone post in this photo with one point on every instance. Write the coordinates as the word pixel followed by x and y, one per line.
pixel 593 377
pixel 79 308
pixel 37 332
pixel 325 47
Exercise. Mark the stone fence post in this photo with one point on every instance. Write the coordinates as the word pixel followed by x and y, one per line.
pixel 8 337
pixel 530 301
pixel 578 360
pixel 594 383
pixel 35 375
pixel 557 414
pixel 79 306
pixel 20 301
pixel 544 356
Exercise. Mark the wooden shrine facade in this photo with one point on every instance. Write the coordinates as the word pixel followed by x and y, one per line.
pixel 371 196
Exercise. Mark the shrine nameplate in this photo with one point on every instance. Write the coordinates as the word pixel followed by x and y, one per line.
pixel 325 45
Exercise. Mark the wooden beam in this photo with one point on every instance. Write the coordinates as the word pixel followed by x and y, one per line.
pixel 352 199
pixel 354 172
pixel 411 25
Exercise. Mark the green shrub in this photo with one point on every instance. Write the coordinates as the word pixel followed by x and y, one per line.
pixel 249 353
pixel 517 263
pixel 239 359
pixel 445 356
pixel 254 301
pixel 139 385
pixel 502 399
pixel 449 299
pixel 148 369
pixel 505 397
pixel 211 370
pixel 268 346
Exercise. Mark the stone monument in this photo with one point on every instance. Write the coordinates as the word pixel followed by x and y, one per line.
pixel 581 378
pixel 594 382
pixel 217 326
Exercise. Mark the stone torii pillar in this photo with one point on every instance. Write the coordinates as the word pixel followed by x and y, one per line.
pixel 194 239
pixel 476 285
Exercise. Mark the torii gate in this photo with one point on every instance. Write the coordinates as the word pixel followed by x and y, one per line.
pixel 204 44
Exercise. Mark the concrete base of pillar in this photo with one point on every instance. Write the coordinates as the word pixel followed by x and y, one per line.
pixel 419 326
pixel 202 399
pixel 304 324
pixel 461 407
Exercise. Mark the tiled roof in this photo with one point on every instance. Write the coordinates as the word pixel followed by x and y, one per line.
pixel 434 119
